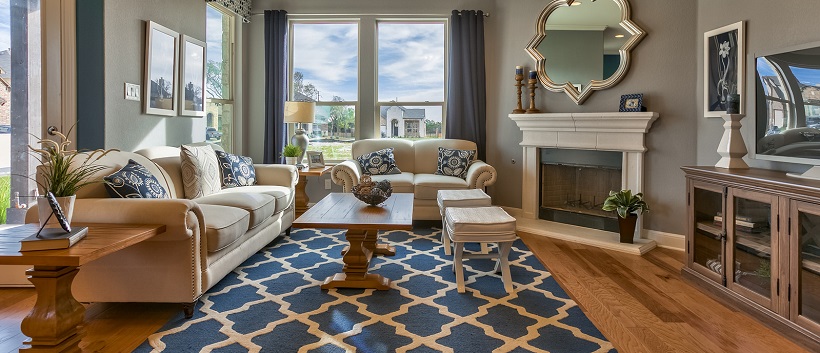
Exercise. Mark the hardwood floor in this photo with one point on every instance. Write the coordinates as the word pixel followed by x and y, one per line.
pixel 641 304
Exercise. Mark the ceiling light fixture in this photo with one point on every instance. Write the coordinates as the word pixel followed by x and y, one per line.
pixel 619 36
pixel 576 3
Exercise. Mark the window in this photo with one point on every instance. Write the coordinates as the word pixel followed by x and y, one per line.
pixel 396 91
pixel 324 69
pixel 219 104
pixel 411 78
pixel 807 80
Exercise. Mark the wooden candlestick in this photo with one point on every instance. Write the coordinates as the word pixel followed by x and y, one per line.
pixel 532 86
pixel 518 85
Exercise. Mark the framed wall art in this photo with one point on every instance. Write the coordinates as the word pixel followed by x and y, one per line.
pixel 161 63
pixel 192 77
pixel 723 68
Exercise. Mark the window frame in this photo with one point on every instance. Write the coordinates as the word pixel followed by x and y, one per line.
pixel 367 100
pixel 232 69
pixel 443 103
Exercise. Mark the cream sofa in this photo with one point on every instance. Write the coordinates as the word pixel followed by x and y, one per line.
pixel 418 161
pixel 205 238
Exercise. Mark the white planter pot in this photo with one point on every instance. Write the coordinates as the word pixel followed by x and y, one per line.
pixel 44 210
pixel 291 160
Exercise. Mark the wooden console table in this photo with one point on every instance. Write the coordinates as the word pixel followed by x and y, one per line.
pixel 363 222
pixel 302 198
pixel 53 323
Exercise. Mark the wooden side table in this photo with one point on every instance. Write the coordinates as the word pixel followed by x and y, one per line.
pixel 54 323
pixel 301 196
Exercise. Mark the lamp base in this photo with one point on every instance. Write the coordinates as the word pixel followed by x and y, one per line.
pixel 301 140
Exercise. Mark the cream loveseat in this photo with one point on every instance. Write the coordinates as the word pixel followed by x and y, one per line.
pixel 205 238
pixel 418 161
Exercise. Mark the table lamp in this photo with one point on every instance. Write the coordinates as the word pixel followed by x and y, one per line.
pixel 300 113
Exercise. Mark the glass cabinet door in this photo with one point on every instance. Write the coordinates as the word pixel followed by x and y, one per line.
pixel 805 265
pixel 705 248
pixel 752 256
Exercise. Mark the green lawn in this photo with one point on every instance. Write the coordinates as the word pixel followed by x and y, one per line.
pixel 5 196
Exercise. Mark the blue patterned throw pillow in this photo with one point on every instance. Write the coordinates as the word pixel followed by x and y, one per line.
pixel 454 162
pixel 236 170
pixel 380 162
pixel 134 181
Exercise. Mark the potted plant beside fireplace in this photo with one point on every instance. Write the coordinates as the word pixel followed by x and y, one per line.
pixel 628 206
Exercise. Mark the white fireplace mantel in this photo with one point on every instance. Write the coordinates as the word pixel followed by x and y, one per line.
pixel 621 132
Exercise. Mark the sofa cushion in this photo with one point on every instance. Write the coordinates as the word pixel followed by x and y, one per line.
pixel 200 171
pixel 236 170
pixel 428 185
pixel 260 206
pixel 401 182
pixel 453 162
pixel 223 225
pixel 134 181
pixel 426 151
pixel 283 195
pixel 379 162
pixel 402 151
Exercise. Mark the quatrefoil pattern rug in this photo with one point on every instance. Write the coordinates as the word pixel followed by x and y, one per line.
pixel 272 303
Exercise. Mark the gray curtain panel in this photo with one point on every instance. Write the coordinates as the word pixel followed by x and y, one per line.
pixel 467 97
pixel 276 86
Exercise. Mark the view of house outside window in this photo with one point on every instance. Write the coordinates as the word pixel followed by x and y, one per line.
pixel 219 104
pixel 411 79
pixel 409 70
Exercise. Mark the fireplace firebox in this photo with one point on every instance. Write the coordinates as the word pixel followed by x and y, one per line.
pixel 574 185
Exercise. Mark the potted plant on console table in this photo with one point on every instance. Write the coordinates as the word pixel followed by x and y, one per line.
pixel 628 207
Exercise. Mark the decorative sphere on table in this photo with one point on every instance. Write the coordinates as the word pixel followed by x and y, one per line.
pixel 372 193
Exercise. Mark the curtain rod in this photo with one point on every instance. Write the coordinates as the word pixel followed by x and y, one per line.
pixel 486 14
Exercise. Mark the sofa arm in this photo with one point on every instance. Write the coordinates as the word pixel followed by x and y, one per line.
pixel 276 174
pixel 481 175
pixel 347 174
pixel 182 218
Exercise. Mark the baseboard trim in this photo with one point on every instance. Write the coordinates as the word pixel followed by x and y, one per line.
pixel 666 240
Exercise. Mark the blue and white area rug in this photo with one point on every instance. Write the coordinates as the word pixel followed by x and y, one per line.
pixel 273 303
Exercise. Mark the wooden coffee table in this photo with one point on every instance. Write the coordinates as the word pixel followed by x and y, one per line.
pixel 363 222
pixel 54 323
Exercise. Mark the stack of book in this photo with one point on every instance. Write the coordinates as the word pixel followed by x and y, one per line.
pixel 53 238
pixel 746 223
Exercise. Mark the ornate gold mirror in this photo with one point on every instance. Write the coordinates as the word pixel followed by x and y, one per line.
pixel 581 46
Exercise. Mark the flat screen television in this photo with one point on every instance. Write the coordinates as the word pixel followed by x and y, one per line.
pixel 787 108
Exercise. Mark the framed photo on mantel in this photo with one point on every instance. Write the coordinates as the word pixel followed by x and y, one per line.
pixel 161 63
pixel 723 68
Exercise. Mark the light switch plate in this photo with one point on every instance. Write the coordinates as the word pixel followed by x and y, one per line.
pixel 132 91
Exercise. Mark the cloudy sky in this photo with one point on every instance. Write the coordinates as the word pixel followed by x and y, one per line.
pixel 410 67
pixel 5 23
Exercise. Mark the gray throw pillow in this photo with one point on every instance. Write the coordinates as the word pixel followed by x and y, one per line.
pixel 454 162
pixel 200 171
pixel 380 162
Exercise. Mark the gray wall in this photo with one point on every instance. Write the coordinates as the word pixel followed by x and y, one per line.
pixel 126 127
pixel 574 56
pixel 663 68
pixel 663 65
pixel 768 28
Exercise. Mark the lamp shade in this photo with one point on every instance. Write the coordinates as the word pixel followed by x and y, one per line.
pixel 299 112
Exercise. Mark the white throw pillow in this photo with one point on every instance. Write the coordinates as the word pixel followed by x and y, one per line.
pixel 200 171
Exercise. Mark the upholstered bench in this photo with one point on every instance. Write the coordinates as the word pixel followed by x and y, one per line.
pixel 481 225
pixel 460 198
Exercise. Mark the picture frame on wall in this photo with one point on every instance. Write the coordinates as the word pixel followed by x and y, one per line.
pixel 315 159
pixel 723 68
pixel 192 77
pixel 161 70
